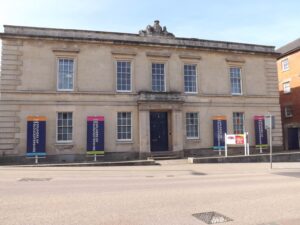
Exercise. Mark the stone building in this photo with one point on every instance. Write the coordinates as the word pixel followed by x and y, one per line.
pixel 288 65
pixel 157 92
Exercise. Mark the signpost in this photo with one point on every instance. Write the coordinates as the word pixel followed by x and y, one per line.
pixel 270 124
pixel 219 130
pixel 95 136
pixel 237 139
pixel 36 137
pixel 261 139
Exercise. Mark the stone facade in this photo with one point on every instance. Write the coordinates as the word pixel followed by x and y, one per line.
pixel 29 87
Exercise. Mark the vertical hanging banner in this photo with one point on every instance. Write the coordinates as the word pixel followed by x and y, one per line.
pixel 95 135
pixel 219 130
pixel 261 138
pixel 36 136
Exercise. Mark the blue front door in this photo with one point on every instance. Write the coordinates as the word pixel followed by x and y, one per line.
pixel 159 131
pixel 293 138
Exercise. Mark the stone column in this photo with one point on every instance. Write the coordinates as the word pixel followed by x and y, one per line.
pixel 144 128
pixel 177 130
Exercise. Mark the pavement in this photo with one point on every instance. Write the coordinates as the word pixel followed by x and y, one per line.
pixel 249 194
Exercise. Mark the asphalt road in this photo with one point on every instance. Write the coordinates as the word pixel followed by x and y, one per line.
pixel 249 194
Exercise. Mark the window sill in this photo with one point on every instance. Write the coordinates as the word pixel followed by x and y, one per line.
pixel 124 142
pixel 123 92
pixel 193 139
pixel 191 93
pixel 65 90
pixel 64 145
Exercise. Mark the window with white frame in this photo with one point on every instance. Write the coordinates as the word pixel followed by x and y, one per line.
pixel 64 126
pixel 288 111
pixel 190 78
pixel 124 126
pixel 158 77
pixel 123 76
pixel 235 80
pixel 65 74
pixel 238 122
pixel 286 87
pixel 285 64
pixel 192 125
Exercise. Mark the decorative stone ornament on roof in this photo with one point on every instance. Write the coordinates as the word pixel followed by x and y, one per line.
pixel 155 30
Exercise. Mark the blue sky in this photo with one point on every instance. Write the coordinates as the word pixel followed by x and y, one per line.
pixel 268 22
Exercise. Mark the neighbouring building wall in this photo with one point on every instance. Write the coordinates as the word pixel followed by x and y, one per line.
pixel 289 87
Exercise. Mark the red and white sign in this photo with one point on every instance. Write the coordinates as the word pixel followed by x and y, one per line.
pixel 235 139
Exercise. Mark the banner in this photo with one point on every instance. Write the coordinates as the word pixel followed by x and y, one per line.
pixel 261 137
pixel 36 136
pixel 219 130
pixel 95 135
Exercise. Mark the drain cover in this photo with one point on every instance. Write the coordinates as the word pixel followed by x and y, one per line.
pixel 212 217
pixel 35 179
pixel 197 173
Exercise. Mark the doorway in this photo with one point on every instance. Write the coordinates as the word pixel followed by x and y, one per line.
pixel 159 131
pixel 293 138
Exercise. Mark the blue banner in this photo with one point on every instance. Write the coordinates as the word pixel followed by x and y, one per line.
pixel 219 130
pixel 36 136
pixel 95 135
pixel 261 137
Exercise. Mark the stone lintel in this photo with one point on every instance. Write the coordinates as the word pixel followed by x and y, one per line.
pixel 187 56
pixel 169 97
pixel 67 50
pixel 158 54
pixel 123 53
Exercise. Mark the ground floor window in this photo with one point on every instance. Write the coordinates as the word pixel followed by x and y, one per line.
pixel 238 122
pixel 124 126
pixel 192 128
pixel 64 126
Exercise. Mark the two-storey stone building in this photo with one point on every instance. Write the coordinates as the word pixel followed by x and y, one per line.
pixel 156 92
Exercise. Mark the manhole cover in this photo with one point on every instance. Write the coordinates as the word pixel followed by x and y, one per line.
pixel 197 173
pixel 212 217
pixel 35 179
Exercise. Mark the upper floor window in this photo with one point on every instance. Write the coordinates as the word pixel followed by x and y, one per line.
pixel 65 74
pixel 288 111
pixel 158 77
pixel 192 125
pixel 123 76
pixel 286 87
pixel 235 80
pixel 285 64
pixel 64 126
pixel 238 122
pixel 124 126
pixel 190 79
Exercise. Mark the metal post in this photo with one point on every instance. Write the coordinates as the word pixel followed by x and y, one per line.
pixel 226 154
pixel 36 159
pixel 248 145
pixel 95 157
pixel 260 149
pixel 245 144
pixel 271 149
